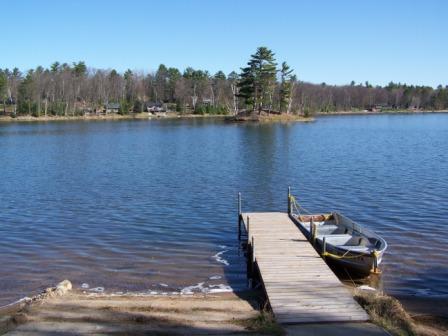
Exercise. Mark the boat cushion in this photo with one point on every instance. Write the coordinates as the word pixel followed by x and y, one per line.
pixel 356 248
pixel 335 239
pixel 326 229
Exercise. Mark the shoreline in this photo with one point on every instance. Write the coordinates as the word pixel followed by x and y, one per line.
pixel 390 112
pixel 110 117
pixel 226 117
pixel 63 310
pixel 237 311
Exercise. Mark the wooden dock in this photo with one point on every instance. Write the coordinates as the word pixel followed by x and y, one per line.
pixel 300 287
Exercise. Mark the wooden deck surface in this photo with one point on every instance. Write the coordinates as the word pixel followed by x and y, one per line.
pixel 301 288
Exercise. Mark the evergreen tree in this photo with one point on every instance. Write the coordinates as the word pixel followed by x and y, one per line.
pixel 26 93
pixel 129 87
pixel 79 69
pixel 161 84
pixel 220 75
pixel 55 67
pixel 3 88
pixel 173 77
pixel 285 86
pixel 257 80
pixel 246 86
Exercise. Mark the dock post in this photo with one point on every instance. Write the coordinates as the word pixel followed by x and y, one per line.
pixel 252 263
pixel 375 269
pixel 248 256
pixel 239 203
pixel 289 200
pixel 239 216
pixel 313 231
pixel 247 224
pixel 253 250
pixel 324 247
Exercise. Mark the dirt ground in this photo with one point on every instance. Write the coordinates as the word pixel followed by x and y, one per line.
pixel 63 311
pixel 81 314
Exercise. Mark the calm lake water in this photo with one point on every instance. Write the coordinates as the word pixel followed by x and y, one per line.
pixel 150 206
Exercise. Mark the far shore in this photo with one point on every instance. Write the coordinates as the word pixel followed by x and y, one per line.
pixel 380 112
pixel 229 117
pixel 111 116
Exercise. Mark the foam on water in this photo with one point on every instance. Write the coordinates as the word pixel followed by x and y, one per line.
pixel 24 299
pixel 221 288
pixel 220 259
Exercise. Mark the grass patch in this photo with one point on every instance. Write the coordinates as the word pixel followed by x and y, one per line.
pixel 263 323
pixel 387 312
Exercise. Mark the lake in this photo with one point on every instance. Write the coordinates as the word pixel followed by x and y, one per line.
pixel 151 206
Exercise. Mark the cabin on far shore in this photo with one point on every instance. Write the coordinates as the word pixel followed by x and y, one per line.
pixel 112 108
pixel 157 109
pixel 154 107
pixel 379 108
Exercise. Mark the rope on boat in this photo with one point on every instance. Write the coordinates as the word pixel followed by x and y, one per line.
pixel 344 256
pixel 375 254
pixel 297 206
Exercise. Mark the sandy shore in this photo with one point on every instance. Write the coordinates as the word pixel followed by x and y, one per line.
pixel 63 311
pixel 77 313
pixel 241 313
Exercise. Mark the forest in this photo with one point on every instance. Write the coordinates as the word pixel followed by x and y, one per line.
pixel 262 85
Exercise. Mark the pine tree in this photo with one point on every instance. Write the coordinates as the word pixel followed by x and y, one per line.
pixel 246 87
pixel 3 89
pixel 285 87
pixel 257 80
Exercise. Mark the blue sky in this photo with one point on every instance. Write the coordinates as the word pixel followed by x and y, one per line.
pixel 324 41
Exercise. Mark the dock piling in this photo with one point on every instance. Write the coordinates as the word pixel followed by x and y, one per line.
pixel 324 246
pixel 313 230
pixel 239 216
pixel 289 201
pixel 252 263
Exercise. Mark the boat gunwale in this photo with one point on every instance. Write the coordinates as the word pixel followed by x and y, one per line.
pixel 370 234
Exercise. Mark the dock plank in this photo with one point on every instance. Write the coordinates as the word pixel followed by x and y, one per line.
pixel 300 287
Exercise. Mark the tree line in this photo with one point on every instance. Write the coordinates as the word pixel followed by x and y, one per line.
pixel 261 86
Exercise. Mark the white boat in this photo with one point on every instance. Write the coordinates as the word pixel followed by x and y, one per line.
pixel 340 240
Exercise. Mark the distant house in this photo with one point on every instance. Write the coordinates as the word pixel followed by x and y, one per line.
pixel 155 107
pixel 207 101
pixel 378 108
pixel 112 108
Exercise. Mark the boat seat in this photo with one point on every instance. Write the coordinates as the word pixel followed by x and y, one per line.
pixel 335 239
pixel 356 248
pixel 323 229
pixel 326 229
